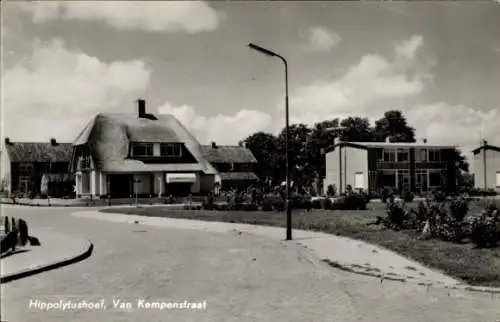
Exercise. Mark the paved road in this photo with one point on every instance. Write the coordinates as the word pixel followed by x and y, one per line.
pixel 241 278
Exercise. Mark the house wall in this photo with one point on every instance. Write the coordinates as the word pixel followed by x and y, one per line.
pixel 356 163
pixel 332 169
pixel 492 167
pixel 143 186
pixel 195 187
pixel 207 182
pixel 5 170
pixel 353 161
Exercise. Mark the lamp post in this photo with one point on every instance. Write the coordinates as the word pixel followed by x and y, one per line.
pixel 288 207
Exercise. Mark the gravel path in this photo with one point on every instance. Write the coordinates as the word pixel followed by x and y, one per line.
pixel 241 277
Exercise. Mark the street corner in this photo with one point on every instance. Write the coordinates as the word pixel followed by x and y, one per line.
pixel 55 251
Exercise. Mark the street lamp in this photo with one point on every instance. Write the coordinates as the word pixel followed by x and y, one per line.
pixel 288 207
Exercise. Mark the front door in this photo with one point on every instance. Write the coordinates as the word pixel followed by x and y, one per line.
pixel 119 185
pixel 422 182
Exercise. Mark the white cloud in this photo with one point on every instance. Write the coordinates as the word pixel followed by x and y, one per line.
pixel 442 123
pixel 56 90
pixel 153 16
pixel 374 78
pixel 409 48
pixel 223 129
pixel 321 39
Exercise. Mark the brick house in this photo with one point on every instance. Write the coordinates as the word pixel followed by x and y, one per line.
pixel 24 164
pixel 235 165
pixel 371 166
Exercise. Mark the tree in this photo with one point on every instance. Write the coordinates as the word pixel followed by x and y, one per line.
pixel 357 129
pixel 393 125
pixel 300 149
pixel 266 149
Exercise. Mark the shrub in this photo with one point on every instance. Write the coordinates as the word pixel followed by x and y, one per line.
pixel 485 231
pixel 458 209
pixel 317 203
pixel 326 204
pixel 408 196
pixel 301 202
pixel 354 201
pixel 249 206
pixel 208 203
pixel 331 190
pixel 439 196
pixel 267 204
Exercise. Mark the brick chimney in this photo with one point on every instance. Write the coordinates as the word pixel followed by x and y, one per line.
pixel 424 140
pixel 7 141
pixel 141 108
pixel 53 142
pixel 214 145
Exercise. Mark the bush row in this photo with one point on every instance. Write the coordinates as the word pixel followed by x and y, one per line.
pixel 447 219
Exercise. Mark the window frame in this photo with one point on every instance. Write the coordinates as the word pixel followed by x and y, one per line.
pixel 435 153
pixel 175 149
pixel 149 149
pixel 389 152
pixel 404 152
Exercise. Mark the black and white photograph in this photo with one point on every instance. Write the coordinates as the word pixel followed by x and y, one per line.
pixel 250 161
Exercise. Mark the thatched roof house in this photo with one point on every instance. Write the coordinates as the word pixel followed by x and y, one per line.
pixel 108 136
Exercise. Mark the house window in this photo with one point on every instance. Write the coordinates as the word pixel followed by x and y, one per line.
pixel 434 155
pixel 498 179
pixel 380 154
pixel 421 155
pixel 389 156
pixel 403 178
pixel 24 183
pixel 25 167
pixel 403 156
pixel 171 150
pixel 142 149
pixel 359 180
pixel 435 179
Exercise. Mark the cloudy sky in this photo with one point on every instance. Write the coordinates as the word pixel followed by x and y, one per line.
pixel 63 62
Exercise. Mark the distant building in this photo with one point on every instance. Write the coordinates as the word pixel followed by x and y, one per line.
pixel 125 154
pixel 371 166
pixel 235 165
pixel 487 167
pixel 24 164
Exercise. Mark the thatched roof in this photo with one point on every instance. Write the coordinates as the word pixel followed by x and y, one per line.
pixel 39 152
pixel 109 135
pixel 228 154
pixel 239 176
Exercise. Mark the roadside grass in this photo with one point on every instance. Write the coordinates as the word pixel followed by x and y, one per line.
pixel 462 261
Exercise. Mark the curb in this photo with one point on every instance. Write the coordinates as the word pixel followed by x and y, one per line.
pixel 84 254
pixel 469 288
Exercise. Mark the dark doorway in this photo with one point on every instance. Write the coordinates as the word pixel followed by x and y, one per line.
pixel 120 185
pixel 179 189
